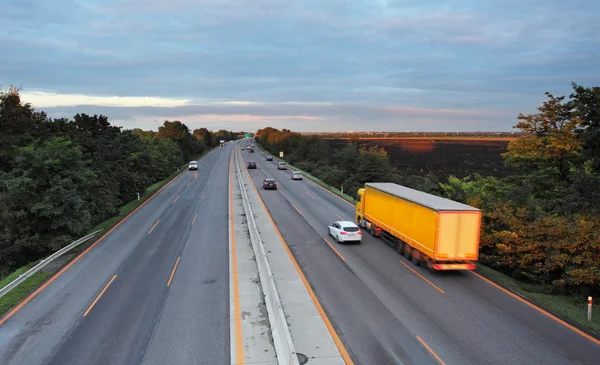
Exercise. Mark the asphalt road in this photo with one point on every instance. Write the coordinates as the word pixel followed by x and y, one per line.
pixel 150 312
pixel 386 309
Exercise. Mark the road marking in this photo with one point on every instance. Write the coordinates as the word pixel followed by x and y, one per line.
pixel 195 216
pixel 422 277
pixel 188 184
pixel 173 272
pixel 175 199
pixel 239 343
pixel 540 310
pixel 431 351
pixel 336 251
pixel 310 195
pixel 340 217
pixel 203 195
pixel 99 295
pixel 332 332
pixel 154 226
pixel 298 210
pixel 72 262
pixel 208 182
pixel 330 192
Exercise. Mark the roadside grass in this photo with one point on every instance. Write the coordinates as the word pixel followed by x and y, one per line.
pixel 17 294
pixel 14 296
pixel 569 308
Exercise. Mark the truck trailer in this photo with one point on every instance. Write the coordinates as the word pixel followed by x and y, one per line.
pixel 438 233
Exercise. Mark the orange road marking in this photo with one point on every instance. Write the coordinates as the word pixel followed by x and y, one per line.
pixel 203 195
pixel 99 295
pixel 311 195
pixel 173 272
pixel 298 210
pixel 239 343
pixel 175 199
pixel 332 332
pixel 188 184
pixel 154 226
pixel 334 249
pixel 431 351
pixel 195 216
pixel 422 277
pixel 340 217
pixel 540 310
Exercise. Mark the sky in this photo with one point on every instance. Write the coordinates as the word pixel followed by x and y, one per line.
pixel 305 65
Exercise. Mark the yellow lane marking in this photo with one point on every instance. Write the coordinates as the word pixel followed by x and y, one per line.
pixel 175 199
pixel 173 272
pixel 195 216
pixel 99 295
pixel 422 277
pixel 239 343
pixel 334 249
pixel 154 226
pixel 298 210
pixel 311 195
pixel 431 351
pixel 340 217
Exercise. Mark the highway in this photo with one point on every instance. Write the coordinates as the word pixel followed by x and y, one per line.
pixel 153 291
pixel 387 310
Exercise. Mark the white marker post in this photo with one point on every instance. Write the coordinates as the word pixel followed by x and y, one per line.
pixel 589 309
pixel 342 190
pixel 138 196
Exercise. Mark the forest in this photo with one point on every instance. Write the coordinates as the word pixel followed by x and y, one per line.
pixel 540 224
pixel 60 177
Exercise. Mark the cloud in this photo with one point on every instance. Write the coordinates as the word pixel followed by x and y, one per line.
pixel 481 63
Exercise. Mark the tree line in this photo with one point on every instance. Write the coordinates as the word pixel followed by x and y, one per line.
pixel 540 225
pixel 60 177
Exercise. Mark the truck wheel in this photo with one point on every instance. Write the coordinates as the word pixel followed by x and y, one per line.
pixel 372 231
pixel 407 251
pixel 399 247
pixel 416 257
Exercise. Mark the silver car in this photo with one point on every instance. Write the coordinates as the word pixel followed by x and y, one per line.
pixel 296 175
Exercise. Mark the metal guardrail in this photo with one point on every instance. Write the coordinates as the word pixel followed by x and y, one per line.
pixel 282 339
pixel 13 284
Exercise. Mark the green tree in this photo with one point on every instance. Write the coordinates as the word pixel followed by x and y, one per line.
pixel 42 201
pixel 585 104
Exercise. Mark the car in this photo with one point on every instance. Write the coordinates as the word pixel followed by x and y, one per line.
pixel 269 184
pixel 345 231
pixel 282 165
pixel 243 148
pixel 193 165
pixel 296 175
pixel 269 158
pixel 251 150
pixel 251 165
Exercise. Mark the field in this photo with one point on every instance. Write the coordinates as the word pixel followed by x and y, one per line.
pixel 442 156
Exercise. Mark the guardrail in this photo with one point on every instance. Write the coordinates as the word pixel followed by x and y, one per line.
pixel 282 339
pixel 13 284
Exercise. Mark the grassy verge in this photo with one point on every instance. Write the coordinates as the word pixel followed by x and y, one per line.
pixel 318 181
pixel 569 308
pixel 14 296
pixel 17 294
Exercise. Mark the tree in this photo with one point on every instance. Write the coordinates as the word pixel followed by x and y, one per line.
pixel 552 139
pixel 585 104
pixel 205 135
pixel 42 204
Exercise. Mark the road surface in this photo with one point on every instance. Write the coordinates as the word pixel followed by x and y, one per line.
pixel 154 291
pixel 384 308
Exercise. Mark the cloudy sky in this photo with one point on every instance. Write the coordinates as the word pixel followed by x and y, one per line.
pixel 307 65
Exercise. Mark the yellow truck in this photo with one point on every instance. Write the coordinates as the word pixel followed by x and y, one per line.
pixel 432 231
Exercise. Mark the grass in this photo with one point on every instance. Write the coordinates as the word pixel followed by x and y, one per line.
pixel 17 294
pixel 569 308
pixel 14 296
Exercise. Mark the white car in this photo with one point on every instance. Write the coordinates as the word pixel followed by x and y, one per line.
pixel 296 175
pixel 345 231
pixel 243 148
pixel 193 165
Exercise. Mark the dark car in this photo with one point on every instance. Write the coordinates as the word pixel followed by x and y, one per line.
pixel 251 165
pixel 269 184
pixel 269 158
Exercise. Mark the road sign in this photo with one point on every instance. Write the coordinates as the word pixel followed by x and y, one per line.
pixel 281 154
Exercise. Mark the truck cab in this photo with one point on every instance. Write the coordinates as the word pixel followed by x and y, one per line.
pixel 360 205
